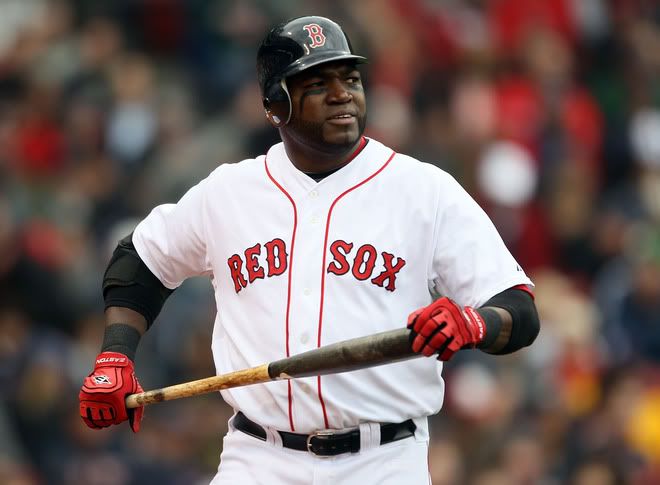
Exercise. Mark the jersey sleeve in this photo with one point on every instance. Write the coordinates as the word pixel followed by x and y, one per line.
pixel 470 263
pixel 171 239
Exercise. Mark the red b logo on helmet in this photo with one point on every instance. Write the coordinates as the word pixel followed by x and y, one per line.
pixel 315 32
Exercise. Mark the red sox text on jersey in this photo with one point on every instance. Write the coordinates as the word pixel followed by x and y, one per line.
pixel 361 263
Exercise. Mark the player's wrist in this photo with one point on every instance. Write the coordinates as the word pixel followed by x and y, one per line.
pixel 121 338
pixel 492 327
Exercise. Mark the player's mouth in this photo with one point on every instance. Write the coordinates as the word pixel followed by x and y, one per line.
pixel 342 119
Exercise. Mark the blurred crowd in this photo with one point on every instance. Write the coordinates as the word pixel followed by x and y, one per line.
pixel 547 111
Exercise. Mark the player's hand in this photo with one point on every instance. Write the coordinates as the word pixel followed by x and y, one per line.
pixel 103 394
pixel 444 327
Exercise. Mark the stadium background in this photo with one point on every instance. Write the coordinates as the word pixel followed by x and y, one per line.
pixel 547 111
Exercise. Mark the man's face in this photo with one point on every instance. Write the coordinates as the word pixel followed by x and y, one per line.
pixel 328 107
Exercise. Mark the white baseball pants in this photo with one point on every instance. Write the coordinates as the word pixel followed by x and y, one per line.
pixel 246 460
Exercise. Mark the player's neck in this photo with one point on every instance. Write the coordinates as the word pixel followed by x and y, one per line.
pixel 313 161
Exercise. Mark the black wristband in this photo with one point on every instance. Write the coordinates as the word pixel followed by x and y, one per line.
pixel 122 338
pixel 525 324
pixel 493 323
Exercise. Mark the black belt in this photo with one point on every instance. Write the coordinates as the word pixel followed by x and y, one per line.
pixel 327 442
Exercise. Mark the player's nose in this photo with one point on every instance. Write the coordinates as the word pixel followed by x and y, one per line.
pixel 338 92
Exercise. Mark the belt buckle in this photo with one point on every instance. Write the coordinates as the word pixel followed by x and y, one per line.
pixel 316 434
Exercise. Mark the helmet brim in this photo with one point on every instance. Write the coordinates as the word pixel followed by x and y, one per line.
pixel 303 64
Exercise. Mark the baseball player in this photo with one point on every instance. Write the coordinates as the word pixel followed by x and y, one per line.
pixel 328 236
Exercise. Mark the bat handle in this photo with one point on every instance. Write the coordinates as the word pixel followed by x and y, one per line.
pixel 136 400
pixel 244 377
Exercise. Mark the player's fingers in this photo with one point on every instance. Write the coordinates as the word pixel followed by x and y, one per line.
pixel 455 345
pixel 91 419
pixel 92 413
pixel 435 333
pixel 446 351
pixel 435 344
pixel 418 343
pixel 135 417
pixel 438 342
pixel 430 327
pixel 428 350
pixel 421 316
pixel 446 355
pixel 436 310
pixel 103 414
pixel 90 423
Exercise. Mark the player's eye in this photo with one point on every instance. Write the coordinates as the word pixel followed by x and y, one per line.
pixel 313 84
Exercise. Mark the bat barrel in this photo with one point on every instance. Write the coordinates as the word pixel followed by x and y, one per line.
pixel 358 353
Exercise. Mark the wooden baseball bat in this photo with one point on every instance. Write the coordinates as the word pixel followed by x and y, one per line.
pixel 357 353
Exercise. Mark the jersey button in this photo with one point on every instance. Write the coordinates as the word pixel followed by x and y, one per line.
pixel 307 292
pixel 314 220
pixel 304 338
pixel 313 194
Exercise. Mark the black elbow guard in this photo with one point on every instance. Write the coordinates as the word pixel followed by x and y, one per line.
pixel 525 326
pixel 129 283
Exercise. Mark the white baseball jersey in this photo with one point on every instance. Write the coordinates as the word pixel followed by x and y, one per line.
pixel 297 264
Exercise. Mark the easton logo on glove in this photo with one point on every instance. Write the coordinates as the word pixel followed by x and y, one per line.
pixel 111 360
pixel 474 318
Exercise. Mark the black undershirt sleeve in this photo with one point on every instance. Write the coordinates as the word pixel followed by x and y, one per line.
pixel 129 283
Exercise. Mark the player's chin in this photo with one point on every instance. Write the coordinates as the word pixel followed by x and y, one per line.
pixel 341 136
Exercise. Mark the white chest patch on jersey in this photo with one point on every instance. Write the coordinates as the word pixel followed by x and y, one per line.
pixel 363 263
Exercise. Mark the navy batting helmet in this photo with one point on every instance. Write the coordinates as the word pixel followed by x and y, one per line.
pixel 296 45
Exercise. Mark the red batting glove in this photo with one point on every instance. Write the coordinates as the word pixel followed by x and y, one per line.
pixel 103 394
pixel 444 327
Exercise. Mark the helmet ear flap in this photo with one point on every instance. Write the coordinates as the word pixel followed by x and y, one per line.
pixel 272 117
pixel 277 99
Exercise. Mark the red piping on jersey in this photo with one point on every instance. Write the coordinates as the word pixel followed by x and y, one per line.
pixel 288 295
pixel 361 145
pixel 325 250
